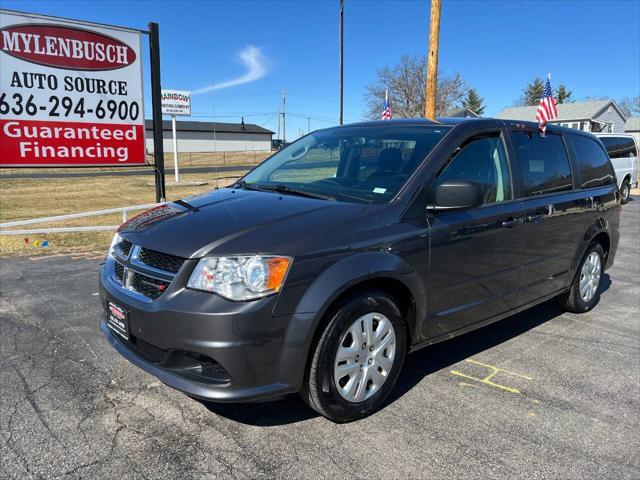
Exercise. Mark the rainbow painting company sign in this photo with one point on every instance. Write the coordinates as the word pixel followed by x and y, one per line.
pixel 70 93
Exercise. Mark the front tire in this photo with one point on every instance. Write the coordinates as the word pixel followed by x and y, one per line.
pixel 625 191
pixel 584 293
pixel 358 358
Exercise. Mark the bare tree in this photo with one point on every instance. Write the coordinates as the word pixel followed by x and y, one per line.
pixel 594 98
pixel 630 106
pixel 405 83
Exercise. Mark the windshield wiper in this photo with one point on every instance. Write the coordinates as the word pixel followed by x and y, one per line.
pixel 245 186
pixel 293 191
pixel 280 189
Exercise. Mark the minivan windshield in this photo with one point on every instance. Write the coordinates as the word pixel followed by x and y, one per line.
pixel 366 164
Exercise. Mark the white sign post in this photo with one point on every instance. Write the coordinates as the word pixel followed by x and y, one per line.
pixel 175 102
pixel 70 93
pixel 175 148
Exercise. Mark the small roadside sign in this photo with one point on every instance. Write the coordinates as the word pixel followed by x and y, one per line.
pixel 176 102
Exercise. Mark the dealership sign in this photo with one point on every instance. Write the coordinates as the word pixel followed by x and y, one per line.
pixel 176 102
pixel 70 93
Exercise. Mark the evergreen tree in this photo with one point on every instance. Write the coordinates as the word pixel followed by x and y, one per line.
pixel 474 102
pixel 532 93
pixel 562 94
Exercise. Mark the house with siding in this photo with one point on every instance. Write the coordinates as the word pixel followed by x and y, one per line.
pixel 633 127
pixel 461 113
pixel 593 116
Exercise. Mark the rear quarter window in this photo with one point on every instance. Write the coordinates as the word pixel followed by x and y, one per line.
pixel 620 147
pixel 593 163
pixel 544 163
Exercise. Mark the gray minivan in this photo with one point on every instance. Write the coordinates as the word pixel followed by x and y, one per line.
pixel 323 267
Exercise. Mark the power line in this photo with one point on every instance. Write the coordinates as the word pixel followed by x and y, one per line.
pixel 229 115
pixel 269 121
pixel 319 119
pixel 266 114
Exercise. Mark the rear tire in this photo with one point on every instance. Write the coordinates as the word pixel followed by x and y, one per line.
pixel 584 293
pixel 358 358
pixel 625 191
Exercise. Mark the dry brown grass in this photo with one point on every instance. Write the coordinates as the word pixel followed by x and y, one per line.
pixel 185 160
pixel 24 198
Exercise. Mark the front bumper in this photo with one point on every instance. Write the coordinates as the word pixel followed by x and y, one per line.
pixel 262 356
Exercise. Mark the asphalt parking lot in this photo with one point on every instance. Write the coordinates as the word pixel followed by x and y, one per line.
pixel 544 394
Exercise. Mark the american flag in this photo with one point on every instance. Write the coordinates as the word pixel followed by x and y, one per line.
pixel 386 111
pixel 547 107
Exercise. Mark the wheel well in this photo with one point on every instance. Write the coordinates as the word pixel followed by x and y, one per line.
pixel 390 286
pixel 603 239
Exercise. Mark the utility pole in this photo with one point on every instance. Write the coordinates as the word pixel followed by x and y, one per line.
pixel 278 137
pixel 308 124
pixel 432 61
pixel 284 118
pixel 341 62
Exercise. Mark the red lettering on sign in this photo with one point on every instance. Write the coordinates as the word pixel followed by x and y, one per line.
pixel 43 143
pixel 65 47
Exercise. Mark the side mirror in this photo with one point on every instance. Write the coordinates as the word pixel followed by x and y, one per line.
pixel 458 194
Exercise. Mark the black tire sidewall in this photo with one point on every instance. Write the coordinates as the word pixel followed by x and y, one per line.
pixel 579 303
pixel 626 189
pixel 338 408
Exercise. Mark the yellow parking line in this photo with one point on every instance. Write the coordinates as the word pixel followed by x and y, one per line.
pixel 487 379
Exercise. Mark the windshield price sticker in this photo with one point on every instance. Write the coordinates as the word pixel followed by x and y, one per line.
pixel 70 93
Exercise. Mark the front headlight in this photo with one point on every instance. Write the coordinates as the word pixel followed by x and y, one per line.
pixel 116 239
pixel 240 278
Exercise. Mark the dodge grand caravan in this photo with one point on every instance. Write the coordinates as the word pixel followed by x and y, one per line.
pixel 323 267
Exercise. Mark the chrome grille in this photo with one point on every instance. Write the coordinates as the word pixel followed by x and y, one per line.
pixel 146 272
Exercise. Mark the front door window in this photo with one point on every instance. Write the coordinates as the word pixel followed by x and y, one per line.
pixel 482 159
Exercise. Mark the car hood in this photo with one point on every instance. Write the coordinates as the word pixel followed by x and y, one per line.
pixel 230 221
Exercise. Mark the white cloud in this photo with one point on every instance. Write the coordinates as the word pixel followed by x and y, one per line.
pixel 252 58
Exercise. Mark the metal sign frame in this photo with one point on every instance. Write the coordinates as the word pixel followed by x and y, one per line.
pixel 154 56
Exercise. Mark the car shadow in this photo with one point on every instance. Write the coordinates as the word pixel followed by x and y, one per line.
pixel 289 409
pixel 418 365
